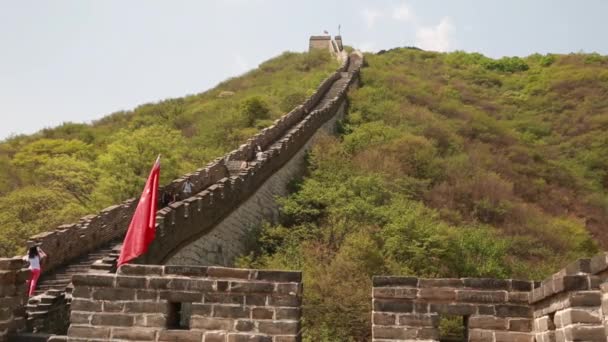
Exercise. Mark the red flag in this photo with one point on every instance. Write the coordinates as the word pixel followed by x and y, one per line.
pixel 143 224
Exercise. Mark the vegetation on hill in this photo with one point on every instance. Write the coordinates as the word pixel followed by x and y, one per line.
pixel 60 174
pixel 449 165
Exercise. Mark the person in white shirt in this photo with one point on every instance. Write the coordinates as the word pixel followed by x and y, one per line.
pixel 187 189
pixel 34 255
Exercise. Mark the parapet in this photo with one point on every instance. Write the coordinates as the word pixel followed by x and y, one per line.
pixel 186 303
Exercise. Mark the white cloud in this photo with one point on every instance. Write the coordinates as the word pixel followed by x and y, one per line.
pixel 402 13
pixel 435 38
pixel 366 46
pixel 370 16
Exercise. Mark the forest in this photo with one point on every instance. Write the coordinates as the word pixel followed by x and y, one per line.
pixel 60 174
pixel 448 165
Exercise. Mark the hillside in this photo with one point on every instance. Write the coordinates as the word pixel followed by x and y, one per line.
pixel 63 173
pixel 449 165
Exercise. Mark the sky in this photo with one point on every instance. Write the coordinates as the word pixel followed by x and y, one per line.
pixel 79 60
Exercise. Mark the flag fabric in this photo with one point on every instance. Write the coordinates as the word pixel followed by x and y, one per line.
pixel 143 224
pixel 325 31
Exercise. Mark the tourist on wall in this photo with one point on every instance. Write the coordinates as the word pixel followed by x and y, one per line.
pixel 34 255
pixel 187 189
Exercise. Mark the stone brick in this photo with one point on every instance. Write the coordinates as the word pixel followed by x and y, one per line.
pixel 289 289
pixel 180 336
pixel 486 310
pixel 395 292
pixel 585 298
pixel 213 336
pixel 393 305
pixel 437 294
pixel 487 283
pixel 226 311
pixel 79 304
pixel 201 309
pixel 518 297
pixel 79 317
pixel 506 310
pixel 401 333
pixel 585 333
pixel 109 306
pixel 418 320
pixel 509 336
pixel 140 270
pixel 82 292
pixel 240 337
pixel 440 282
pixel 288 313
pixel 181 296
pixel 288 338
pixel 477 335
pixel 379 281
pixel 244 325
pixel 520 324
pixel 280 276
pixel 521 285
pixel 98 280
pixel 112 319
pixel 208 323
pixel 260 299
pixel 382 318
pixel 224 298
pixel 78 331
pixel 147 307
pixel 279 327
pixel 599 263
pixel 225 272
pixel 134 334
pixel 131 282
pixel 571 316
pixel 476 296
pixel 276 300
pixel 190 271
pixel 571 283
pixel 454 309
pixel 488 322
pixel 431 334
pixel 257 287
pixel 146 295
pixel 113 294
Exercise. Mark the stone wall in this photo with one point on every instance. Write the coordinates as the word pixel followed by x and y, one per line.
pixel 186 221
pixel 186 303
pixel 13 296
pixel 408 308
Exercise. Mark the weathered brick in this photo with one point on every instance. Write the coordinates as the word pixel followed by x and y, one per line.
pixel 488 322
pixel 477 296
pixel 289 289
pixel 180 335
pixel 77 331
pixel 147 307
pixel 257 287
pixel 208 323
pixel 382 318
pixel 230 311
pixel 242 337
pixel 181 296
pixel 201 309
pixel 113 294
pixel 279 327
pixel 506 310
pixel 382 332
pixel 224 298
pixel 262 313
pixel 585 298
pixel 213 336
pixel 518 297
pixel 79 317
pixel 437 294
pixel 225 272
pixel 190 271
pixel 282 276
pixel 79 304
pixel 112 319
pixel 379 281
pixel 130 282
pixel 487 283
pixel 585 333
pixel 478 335
pixel 418 320
pixel 244 325
pixel 134 334
pixel 510 336
pixel 259 299
pixel 82 292
pixel 521 285
pixel 99 280
pixel 282 300
pixel 146 295
pixel 109 306
pixel 574 315
pixel 454 309
pixel 385 305
pixel 395 292
pixel 288 313
pixel 440 282
pixel 140 270
pixel 520 324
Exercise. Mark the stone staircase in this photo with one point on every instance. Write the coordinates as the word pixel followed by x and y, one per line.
pixel 49 306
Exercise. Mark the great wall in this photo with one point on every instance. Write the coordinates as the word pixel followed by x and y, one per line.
pixel 183 288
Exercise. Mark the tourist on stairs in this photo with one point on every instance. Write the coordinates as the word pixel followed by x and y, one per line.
pixel 34 255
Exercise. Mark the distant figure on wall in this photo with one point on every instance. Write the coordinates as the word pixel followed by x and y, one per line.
pixel 187 189
pixel 259 155
pixel 34 255
pixel 166 198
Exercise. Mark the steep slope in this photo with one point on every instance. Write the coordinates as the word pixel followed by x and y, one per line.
pixel 60 174
pixel 451 165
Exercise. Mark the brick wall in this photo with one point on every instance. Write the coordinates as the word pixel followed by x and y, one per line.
pixel 224 304
pixel 12 296
pixel 408 308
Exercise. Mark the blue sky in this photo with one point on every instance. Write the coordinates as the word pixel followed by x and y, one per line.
pixel 78 60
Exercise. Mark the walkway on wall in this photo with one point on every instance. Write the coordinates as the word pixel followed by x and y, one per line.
pixel 55 283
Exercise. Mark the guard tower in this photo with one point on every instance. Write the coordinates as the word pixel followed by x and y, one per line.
pixel 326 42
